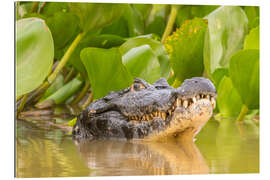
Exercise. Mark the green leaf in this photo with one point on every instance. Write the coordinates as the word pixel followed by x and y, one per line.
pixel 218 75
pixel 94 16
pixel 228 101
pixel 244 73
pixel 51 8
pixel 185 47
pixel 142 62
pixel 34 54
pixel 157 48
pixel 63 27
pixel 100 41
pixel 252 39
pixel 105 70
pixel 224 36
pixel 156 21
pixel 252 13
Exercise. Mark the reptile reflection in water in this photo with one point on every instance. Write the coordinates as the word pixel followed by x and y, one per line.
pixel 116 158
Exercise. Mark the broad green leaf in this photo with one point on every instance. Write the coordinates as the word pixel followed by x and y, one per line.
pixel 34 54
pixel 218 75
pixel 186 12
pixel 128 25
pixel 156 21
pixel 252 13
pixel 50 8
pixel 105 70
pixel 244 73
pixel 141 62
pixel 185 47
pixel 100 41
pixel 252 40
pixel 63 27
pixel 94 16
pixel 228 101
pixel 224 36
pixel 157 48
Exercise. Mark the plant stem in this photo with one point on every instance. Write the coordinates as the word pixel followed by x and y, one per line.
pixel 42 89
pixel 21 106
pixel 88 101
pixel 69 75
pixel 170 23
pixel 242 114
pixel 82 93
pixel 34 6
pixel 65 58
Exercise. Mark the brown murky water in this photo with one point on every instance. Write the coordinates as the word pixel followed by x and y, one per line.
pixel 220 148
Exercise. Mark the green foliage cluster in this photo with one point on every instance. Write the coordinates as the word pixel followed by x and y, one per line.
pixel 107 45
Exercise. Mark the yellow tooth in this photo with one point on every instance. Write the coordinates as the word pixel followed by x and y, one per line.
pixel 213 102
pixel 156 114
pixel 159 114
pixel 147 117
pixel 178 102
pixel 202 95
pixel 163 115
pixel 185 104
pixel 170 112
pixel 194 99
pixel 207 97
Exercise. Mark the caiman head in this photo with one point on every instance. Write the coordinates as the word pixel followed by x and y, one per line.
pixel 150 111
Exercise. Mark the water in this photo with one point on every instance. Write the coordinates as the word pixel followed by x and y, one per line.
pixel 219 148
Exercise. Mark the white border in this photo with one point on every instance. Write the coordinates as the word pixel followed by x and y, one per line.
pixel 7 88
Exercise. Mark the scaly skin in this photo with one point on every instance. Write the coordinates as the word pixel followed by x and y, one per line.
pixel 145 111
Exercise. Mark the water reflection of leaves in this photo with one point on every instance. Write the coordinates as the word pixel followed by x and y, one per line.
pixel 111 157
pixel 46 158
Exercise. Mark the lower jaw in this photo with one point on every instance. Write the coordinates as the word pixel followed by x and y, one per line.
pixel 185 124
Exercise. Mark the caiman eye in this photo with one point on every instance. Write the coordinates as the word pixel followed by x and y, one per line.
pixel 136 87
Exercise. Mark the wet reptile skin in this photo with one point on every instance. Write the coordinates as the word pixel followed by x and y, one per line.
pixel 149 111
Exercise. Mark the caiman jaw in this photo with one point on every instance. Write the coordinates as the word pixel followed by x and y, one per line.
pixel 179 102
pixel 187 115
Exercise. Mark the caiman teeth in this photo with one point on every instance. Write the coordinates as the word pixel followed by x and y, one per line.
pixel 185 103
pixel 194 100
pixel 178 102
pixel 207 97
pixel 198 97
pixel 163 115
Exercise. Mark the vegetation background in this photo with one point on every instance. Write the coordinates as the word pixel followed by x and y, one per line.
pixel 73 53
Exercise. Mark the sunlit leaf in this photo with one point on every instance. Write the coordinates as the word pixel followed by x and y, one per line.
pixel 244 73
pixel 100 41
pixel 224 36
pixel 157 48
pixel 94 16
pixel 228 101
pixel 252 40
pixel 34 54
pixel 185 47
pixel 105 70
pixel 141 62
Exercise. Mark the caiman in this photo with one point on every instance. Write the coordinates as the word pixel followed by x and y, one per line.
pixel 149 111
